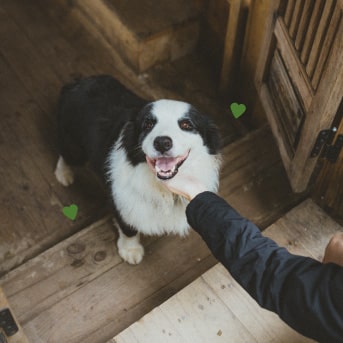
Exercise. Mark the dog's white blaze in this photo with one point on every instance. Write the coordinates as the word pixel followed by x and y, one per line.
pixel 167 113
pixel 166 108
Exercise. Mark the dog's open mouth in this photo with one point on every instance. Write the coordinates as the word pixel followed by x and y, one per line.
pixel 166 167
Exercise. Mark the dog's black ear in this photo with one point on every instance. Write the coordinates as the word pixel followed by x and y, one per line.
pixel 213 139
pixel 207 129
pixel 131 143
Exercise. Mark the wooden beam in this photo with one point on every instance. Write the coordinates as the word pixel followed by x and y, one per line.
pixel 231 48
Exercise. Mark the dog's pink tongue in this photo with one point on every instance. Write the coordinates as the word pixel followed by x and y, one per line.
pixel 165 163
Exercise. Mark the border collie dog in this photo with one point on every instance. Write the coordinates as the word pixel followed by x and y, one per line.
pixel 135 146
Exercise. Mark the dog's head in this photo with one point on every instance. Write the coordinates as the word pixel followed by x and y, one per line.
pixel 167 133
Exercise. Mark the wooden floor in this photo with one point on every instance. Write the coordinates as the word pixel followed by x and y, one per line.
pixel 214 308
pixel 62 273
pixel 41 48
pixel 82 285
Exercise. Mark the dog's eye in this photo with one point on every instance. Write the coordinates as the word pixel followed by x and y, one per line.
pixel 186 125
pixel 148 124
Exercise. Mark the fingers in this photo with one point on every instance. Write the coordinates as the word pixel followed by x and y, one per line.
pixel 334 250
pixel 185 185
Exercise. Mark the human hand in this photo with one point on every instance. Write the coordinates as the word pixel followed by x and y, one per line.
pixel 334 250
pixel 185 185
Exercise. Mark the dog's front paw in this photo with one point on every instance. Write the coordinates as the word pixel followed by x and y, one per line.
pixel 129 249
pixel 132 255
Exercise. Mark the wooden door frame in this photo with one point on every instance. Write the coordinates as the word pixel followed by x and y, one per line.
pixel 320 113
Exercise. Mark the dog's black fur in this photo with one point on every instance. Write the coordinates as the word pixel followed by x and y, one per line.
pixel 93 111
pixel 91 114
pixel 97 113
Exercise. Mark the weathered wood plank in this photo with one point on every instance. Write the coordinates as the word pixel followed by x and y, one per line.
pixel 305 230
pixel 197 312
pixel 20 53
pixel 289 112
pixel 265 326
pixel 29 189
pixel 116 293
pixel 264 53
pixel 311 29
pixel 57 273
pixel 293 65
pixel 303 24
pixel 64 58
pixel 159 324
pixel 36 60
pixel 203 304
pixel 327 44
pixel 88 304
pixel 296 15
pixel 129 315
pixel 319 37
pixel 289 12
pixel 257 170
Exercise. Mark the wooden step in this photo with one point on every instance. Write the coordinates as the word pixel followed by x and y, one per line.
pixel 146 32
pixel 80 290
pixel 215 308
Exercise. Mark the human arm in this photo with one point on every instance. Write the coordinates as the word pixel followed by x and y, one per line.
pixel 303 292
pixel 189 187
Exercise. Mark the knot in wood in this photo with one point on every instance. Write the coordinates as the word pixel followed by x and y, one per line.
pixel 76 248
pixel 100 256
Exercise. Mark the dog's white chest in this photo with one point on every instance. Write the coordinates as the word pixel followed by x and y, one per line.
pixel 142 201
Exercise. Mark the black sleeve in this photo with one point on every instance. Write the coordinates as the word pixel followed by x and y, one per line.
pixel 305 293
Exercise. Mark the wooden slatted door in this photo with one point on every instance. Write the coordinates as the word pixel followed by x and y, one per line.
pixel 299 78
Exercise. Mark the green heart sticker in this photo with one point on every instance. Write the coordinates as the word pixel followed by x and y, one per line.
pixel 237 109
pixel 70 211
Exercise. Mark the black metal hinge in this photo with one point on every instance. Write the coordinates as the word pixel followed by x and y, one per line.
pixel 7 322
pixel 323 143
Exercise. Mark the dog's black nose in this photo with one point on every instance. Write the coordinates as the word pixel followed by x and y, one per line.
pixel 163 143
